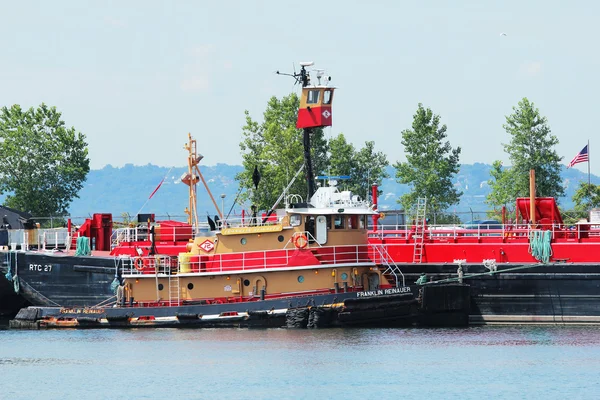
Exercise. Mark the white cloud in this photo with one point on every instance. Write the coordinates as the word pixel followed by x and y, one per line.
pixel 196 73
pixel 196 83
pixel 531 68
pixel 117 22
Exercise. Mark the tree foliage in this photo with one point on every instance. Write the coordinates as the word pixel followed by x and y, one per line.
pixel 365 166
pixel 502 186
pixel 586 197
pixel 531 147
pixel 43 163
pixel 275 147
pixel 431 162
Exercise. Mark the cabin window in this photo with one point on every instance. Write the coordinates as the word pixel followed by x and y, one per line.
pixel 353 222
pixel 295 220
pixel 327 97
pixel 312 97
pixel 363 222
pixel 280 238
pixel 338 221
pixel 328 221
pixel 243 241
pixel 344 276
pixel 300 279
pixel 309 225
pixel 246 282
pixel 160 286
pixel 190 286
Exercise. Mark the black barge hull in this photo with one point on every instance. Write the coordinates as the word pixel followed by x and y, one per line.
pixel 555 293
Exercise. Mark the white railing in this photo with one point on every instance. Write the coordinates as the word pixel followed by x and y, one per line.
pixel 246 261
pixel 442 232
pixel 51 239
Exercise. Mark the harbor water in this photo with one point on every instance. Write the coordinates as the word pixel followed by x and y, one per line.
pixel 466 363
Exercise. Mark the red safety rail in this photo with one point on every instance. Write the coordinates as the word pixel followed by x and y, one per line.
pixel 509 244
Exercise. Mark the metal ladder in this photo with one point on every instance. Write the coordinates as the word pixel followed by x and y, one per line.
pixel 392 270
pixel 174 290
pixel 418 237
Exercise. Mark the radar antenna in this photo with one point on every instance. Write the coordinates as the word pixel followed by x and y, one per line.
pixel 302 77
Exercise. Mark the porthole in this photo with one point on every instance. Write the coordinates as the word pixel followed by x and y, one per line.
pixel 300 279
pixel 190 286
pixel 344 276
pixel 243 241
pixel 246 282
pixel 160 286
pixel 280 238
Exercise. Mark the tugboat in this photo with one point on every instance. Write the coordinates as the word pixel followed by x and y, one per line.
pixel 308 264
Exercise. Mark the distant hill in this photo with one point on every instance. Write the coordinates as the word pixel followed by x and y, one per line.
pixel 126 190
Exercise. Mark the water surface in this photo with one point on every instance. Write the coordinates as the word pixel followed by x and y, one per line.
pixel 469 363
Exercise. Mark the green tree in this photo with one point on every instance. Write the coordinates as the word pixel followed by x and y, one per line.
pixel 275 147
pixel 43 163
pixel 531 147
pixel 586 197
pixel 341 157
pixel 369 169
pixel 502 188
pixel 431 162
pixel 364 166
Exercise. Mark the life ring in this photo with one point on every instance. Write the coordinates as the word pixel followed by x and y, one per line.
pixel 139 264
pixel 301 241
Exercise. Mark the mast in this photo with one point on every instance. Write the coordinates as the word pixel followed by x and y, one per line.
pixel 314 112
pixel 191 179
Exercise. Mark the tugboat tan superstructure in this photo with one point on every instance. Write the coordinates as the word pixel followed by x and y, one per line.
pixel 307 264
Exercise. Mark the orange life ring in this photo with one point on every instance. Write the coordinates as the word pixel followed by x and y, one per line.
pixel 139 264
pixel 301 241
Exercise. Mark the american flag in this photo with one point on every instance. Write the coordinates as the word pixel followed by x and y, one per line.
pixel 582 156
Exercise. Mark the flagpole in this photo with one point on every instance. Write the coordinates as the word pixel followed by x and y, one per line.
pixel 147 200
pixel 589 174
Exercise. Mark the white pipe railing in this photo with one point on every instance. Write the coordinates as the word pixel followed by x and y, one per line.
pixel 246 261
pixel 502 231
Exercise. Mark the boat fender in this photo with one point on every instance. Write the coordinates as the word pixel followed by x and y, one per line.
pixel 301 241
pixel 186 316
pixel 87 321
pixel 258 313
pixel 320 317
pixel 16 284
pixel 296 317
pixel 119 317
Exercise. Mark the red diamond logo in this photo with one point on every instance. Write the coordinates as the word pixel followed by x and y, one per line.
pixel 207 246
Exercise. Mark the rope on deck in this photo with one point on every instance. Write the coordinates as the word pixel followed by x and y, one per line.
pixel 539 245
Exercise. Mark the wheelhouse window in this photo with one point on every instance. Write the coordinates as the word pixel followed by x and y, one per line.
pixel 338 221
pixel 295 220
pixel 363 221
pixel 327 97
pixel 313 97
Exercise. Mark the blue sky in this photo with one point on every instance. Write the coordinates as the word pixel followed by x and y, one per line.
pixel 135 77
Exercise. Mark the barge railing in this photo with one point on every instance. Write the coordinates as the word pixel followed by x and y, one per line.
pixel 500 231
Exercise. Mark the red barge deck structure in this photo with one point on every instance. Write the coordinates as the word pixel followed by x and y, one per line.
pixel 537 270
